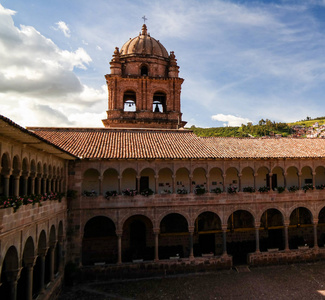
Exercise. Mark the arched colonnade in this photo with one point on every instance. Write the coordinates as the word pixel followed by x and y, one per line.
pixel 208 232
pixel 20 176
pixel 27 270
pixel 212 179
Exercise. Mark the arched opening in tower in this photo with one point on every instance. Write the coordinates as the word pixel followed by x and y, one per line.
pixel 129 100
pixel 159 102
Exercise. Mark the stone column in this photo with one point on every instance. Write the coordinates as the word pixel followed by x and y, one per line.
pixel 42 269
pixel 156 184
pixel 100 182
pixel 119 247
pixel 286 236
pixel 239 182
pixel 25 185
pixel 44 185
pixel 255 175
pixel 270 180
pixel 138 184
pixel 191 232
pixel 299 180
pixel 119 189
pixel 51 249
pixel 224 183
pixel 174 184
pixel 156 232
pixel 285 180
pixel 314 180
pixel 208 183
pixel 6 185
pixel 13 276
pixel 29 265
pixel 32 187
pixel 257 236
pixel 224 239
pixel 191 185
pixel 315 223
pixel 16 185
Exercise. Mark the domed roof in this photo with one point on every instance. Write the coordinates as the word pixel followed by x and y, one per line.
pixel 144 44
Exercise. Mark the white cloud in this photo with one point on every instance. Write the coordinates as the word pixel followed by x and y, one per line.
pixel 230 120
pixel 62 26
pixel 38 85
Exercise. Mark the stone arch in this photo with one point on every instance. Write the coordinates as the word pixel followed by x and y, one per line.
pixel 144 70
pixel 182 180
pixel 138 238
pixel 262 177
pixel 130 100
pixel 199 179
pixel 99 242
pixel 306 176
pixel 215 179
pixel 147 180
pixel 272 229
pixel 9 272
pixel 90 182
pixel 241 239
pixel 165 181
pixel 247 178
pixel 320 177
pixel 27 263
pixel 232 179
pixel 292 177
pixel 129 179
pixel 5 174
pixel 321 227
pixel 208 234
pixel 110 181
pixel 301 228
pixel 159 101
pixel 174 236
pixel 278 179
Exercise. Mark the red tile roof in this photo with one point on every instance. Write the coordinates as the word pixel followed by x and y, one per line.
pixel 173 144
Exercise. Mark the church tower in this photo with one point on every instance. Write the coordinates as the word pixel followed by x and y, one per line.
pixel 143 87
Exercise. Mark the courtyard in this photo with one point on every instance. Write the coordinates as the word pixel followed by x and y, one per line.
pixel 295 281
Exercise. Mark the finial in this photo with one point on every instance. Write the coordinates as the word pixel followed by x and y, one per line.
pixel 144 29
pixel 144 19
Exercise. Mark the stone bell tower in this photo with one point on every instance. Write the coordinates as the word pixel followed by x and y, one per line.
pixel 143 87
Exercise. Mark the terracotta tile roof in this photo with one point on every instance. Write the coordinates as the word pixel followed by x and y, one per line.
pixel 267 147
pixel 174 144
pixel 10 129
pixel 127 143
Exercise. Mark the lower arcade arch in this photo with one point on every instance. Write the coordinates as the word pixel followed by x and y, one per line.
pixel 241 238
pixel 300 228
pixel 174 236
pixel 99 243
pixel 9 273
pixel 138 240
pixel 271 230
pixel 208 234
pixel 321 228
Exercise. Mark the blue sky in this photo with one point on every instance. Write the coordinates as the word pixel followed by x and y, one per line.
pixel 241 60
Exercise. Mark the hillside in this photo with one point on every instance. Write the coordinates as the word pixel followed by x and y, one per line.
pixel 263 128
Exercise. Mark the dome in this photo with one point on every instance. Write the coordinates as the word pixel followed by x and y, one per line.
pixel 144 44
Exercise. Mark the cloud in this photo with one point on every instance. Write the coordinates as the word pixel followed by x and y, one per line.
pixel 62 26
pixel 230 120
pixel 38 83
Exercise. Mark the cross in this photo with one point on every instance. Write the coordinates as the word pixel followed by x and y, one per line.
pixel 144 19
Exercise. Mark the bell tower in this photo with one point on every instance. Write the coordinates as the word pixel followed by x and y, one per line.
pixel 143 87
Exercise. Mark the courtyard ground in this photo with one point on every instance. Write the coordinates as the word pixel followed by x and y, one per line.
pixel 297 281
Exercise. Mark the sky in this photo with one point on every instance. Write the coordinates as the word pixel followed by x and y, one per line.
pixel 242 61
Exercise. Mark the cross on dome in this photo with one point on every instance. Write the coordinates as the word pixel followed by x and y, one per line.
pixel 144 19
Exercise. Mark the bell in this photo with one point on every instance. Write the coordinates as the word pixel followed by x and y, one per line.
pixel 157 108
